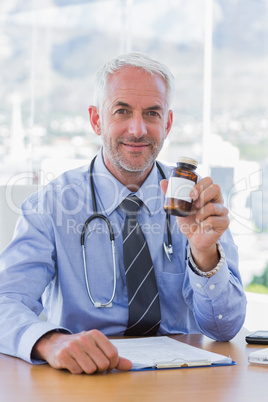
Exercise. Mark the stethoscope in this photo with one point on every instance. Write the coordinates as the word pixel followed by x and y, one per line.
pixel 167 247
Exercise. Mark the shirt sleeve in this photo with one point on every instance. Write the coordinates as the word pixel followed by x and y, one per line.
pixel 24 275
pixel 218 302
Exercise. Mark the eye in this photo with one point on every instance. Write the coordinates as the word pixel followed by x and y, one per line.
pixel 153 113
pixel 122 111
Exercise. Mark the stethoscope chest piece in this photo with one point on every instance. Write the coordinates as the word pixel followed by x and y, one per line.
pixel 99 304
pixel 168 250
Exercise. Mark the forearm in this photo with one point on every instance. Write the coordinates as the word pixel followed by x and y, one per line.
pixel 20 330
pixel 222 317
pixel 219 302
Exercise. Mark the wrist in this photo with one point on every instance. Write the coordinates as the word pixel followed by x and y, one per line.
pixel 206 272
pixel 39 350
pixel 205 259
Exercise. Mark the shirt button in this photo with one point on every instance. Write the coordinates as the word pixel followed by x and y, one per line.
pixel 198 285
pixel 220 317
pixel 212 287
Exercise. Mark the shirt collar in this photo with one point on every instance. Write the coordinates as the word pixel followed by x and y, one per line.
pixel 110 192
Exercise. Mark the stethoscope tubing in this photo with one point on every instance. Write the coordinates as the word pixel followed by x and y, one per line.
pixel 167 247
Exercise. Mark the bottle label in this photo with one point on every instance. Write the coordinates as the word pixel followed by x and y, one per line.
pixel 179 188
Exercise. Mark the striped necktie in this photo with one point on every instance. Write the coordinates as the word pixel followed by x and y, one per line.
pixel 143 297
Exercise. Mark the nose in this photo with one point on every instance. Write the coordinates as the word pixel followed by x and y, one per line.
pixel 137 126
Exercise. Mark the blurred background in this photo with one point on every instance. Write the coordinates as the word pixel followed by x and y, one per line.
pixel 218 53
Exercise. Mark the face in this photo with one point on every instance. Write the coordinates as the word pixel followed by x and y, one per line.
pixel 135 121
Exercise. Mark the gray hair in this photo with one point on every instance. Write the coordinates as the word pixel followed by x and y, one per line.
pixel 135 59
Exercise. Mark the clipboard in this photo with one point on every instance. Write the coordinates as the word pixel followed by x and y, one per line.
pixel 162 353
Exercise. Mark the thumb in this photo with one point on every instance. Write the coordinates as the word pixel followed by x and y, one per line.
pixel 123 364
pixel 163 185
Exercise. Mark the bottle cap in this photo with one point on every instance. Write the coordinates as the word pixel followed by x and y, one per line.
pixel 185 159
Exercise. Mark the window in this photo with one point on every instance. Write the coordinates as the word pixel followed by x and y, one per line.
pixel 217 50
pixel 239 123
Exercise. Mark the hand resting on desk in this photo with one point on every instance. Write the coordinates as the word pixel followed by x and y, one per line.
pixel 88 352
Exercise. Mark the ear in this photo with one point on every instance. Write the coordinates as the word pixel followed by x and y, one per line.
pixel 94 118
pixel 169 122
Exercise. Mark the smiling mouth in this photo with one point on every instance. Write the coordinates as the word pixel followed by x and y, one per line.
pixel 136 145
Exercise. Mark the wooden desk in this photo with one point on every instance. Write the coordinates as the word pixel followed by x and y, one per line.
pixel 20 381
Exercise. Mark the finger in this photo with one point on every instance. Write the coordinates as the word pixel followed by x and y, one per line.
pixel 214 225
pixel 110 352
pixel 83 348
pixel 200 186
pixel 106 348
pixel 76 356
pixel 164 185
pixel 211 193
pixel 67 359
pixel 74 367
pixel 211 209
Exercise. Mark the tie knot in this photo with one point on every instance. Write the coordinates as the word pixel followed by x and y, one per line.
pixel 131 204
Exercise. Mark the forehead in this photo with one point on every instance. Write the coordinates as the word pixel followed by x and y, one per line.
pixel 133 83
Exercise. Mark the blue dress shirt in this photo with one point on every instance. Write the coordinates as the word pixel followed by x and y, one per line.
pixel 45 260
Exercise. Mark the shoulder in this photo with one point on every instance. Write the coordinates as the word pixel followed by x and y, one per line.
pixel 70 183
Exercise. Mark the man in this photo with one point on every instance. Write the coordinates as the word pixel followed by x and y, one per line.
pixel 198 289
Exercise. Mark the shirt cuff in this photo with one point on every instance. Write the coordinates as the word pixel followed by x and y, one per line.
pixel 207 274
pixel 31 336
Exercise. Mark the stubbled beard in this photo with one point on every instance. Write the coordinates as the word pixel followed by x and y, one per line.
pixel 124 164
